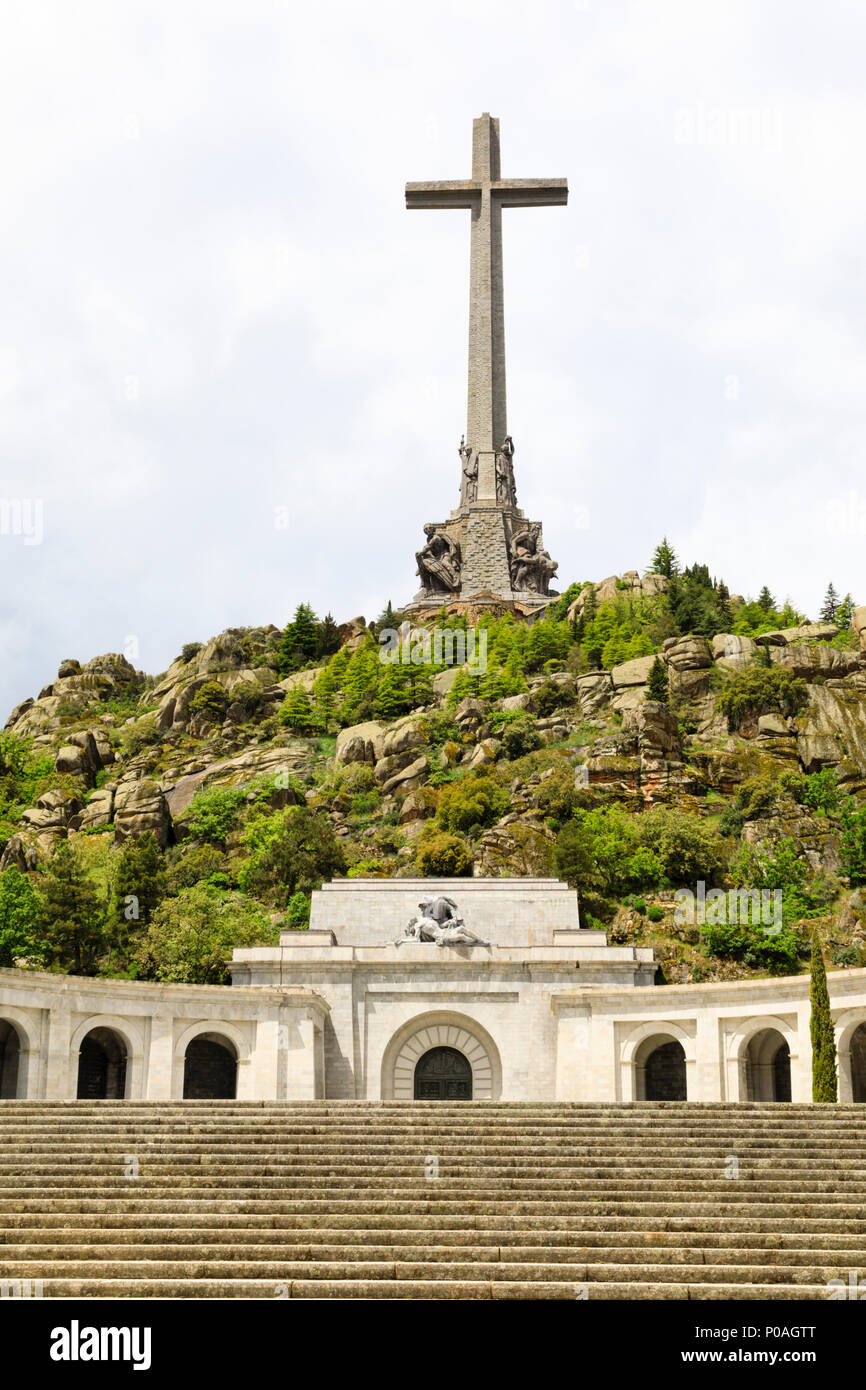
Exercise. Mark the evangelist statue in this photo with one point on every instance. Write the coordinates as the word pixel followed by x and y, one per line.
pixel 531 566
pixel 440 922
pixel 439 562
pixel 469 464
pixel 505 489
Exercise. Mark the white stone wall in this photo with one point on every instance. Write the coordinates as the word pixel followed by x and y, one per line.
pixel 346 1022
pixel 275 1035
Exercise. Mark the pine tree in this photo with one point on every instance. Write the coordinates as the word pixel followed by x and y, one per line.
pixel 821 1029
pixel 590 607
pixel 766 600
pixel 845 612
pixel 296 712
pixel 139 884
pixel 328 638
pixel 71 921
pixel 664 560
pixel 723 607
pixel 299 643
pixel 391 696
pixel 325 696
pixel 829 606
pixel 657 684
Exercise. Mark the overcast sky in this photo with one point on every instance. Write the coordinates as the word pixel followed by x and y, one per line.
pixel 217 313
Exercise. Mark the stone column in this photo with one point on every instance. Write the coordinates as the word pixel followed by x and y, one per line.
pixel 160 1060
pixel 61 1071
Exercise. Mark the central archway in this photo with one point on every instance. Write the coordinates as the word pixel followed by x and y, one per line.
pixel 443 1073
pixel 435 1031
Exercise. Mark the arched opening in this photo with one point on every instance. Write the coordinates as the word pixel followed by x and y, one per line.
pixel 768 1067
pixel 858 1064
pixel 443 1073
pixel 441 1029
pixel 660 1069
pixel 210 1068
pixel 102 1066
pixel 10 1060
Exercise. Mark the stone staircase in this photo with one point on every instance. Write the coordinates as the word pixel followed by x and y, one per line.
pixel 339 1199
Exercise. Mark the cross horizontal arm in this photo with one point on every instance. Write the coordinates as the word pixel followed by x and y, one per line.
pixel 510 193
pixel 525 193
pixel 458 193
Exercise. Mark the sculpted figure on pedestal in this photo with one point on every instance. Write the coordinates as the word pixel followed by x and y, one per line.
pixel 531 566
pixel 505 489
pixel 469 464
pixel 438 562
pixel 439 922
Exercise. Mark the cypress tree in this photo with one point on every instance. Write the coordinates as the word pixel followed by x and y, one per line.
pixel 821 1029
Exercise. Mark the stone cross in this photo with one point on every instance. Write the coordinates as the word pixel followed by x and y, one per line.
pixel 486 194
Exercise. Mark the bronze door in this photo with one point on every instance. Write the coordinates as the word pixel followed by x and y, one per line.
pixel 443 1073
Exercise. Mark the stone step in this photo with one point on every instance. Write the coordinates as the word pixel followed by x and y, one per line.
pixel 577 1272
pixel 331 1200
pixel 173 1251
pixel 195 1225
pixel 464 1290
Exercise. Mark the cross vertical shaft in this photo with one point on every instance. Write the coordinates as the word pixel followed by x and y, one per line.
pixel 485 194
pixel 486 425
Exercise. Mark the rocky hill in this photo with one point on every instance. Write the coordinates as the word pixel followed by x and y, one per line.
pixel 149 823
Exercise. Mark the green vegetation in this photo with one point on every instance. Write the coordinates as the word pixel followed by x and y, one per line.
pixel 191 937
pixel 821 1030
pixel 473 802
pixel 19 913
pixel 440 855
pixel 657 685
pixel 762 690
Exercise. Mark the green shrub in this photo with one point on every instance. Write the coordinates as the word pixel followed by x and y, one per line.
pixel 197 862
pixel 686 847
pixel 190 650
pixel 19 913
pixel 142 733
pixel 794 783
pixel 249 695
pixel 551 696
pixel 760 690
pixel 441 855
pixel 473 801
pixel 727 940
pixel 853 840
pixel 655 914
pixel 190 938
pixel 756 796
pixel 821 792
pixel 520 738
pixel 211 701
pixel 294 849
pixel 639 905
pixel 298 910
pixel 214 811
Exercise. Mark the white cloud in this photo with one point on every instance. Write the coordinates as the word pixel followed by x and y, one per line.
pixel 215 302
